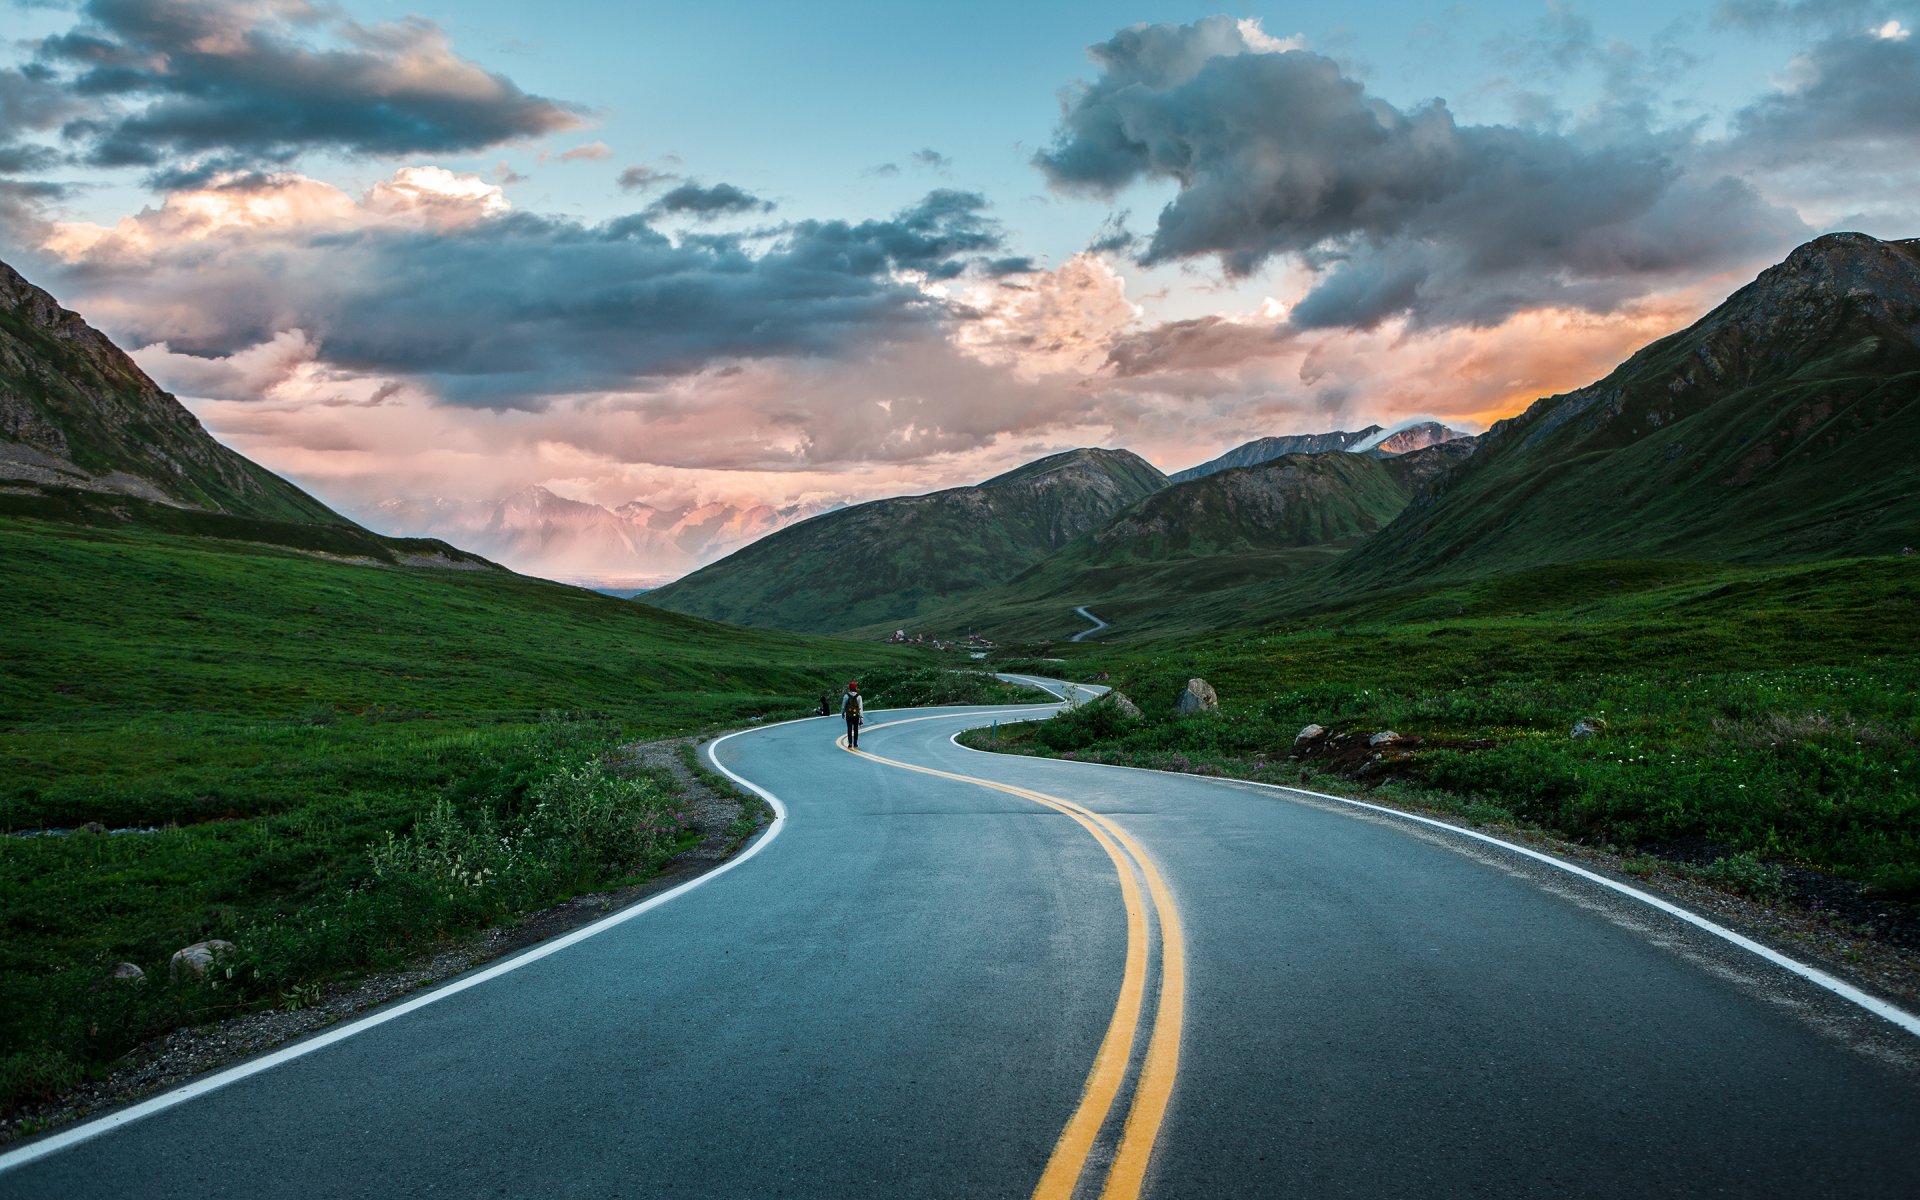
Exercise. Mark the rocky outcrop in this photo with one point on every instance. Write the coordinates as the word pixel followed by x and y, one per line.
pixel 1416 437
pixel 76 412
pixel 1267 449
pixel 193 961
pixel 1197 697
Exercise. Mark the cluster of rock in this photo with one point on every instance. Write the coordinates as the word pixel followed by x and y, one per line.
pixel 189 962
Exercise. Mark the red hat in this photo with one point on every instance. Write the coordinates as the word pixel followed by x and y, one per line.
pixel 852 686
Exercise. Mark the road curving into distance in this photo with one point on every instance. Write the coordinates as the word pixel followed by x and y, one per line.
pixel 947 973
pixel 1098 624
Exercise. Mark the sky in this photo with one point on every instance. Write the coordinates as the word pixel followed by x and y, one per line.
pixel 809 254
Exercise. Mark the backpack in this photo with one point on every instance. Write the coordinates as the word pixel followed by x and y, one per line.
pixel 853 706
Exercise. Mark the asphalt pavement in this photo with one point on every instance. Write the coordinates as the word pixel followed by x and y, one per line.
pixel 947 973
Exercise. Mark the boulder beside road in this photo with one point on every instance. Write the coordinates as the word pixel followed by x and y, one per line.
pixel 1199 696
pixel 195 959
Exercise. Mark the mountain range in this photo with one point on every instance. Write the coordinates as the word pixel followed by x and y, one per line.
pixel 1779 427
pixel 1371 440
pixel 539 532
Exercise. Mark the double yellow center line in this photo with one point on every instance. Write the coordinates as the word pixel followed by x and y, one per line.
pixel 1153 1088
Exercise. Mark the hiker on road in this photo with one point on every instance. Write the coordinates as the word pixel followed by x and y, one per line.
pixel 851 708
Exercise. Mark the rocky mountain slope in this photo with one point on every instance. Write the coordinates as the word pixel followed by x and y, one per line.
pixel 1268 448
pixel 76 414
pixel 1415 437
pixel 540 533
pixel 1295 500
pixel 1781 426
pixel 1197 554
pixel 889 559
pixel 1373 440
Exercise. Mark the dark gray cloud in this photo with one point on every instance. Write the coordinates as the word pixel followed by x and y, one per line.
pixel 1848 93
pixel 509 310
pixel 34 98
pixel 707 203
pixel 231 84
pixel 23 204
pixel 17 158
pixel 644 179
pixel 1398 211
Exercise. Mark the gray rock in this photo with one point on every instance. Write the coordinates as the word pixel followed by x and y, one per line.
pixel 1311 733
pixel 1119 700
pixel 1385 737
pixel 1587 727
pixel 93 827
pixel 127 973
pixel 1199 697
pixel 195 959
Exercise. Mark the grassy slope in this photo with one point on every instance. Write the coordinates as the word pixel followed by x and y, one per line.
pixel 1779 428
pixel 1193 556
pixel 287 712
pixel 1767 710
pixel 885 561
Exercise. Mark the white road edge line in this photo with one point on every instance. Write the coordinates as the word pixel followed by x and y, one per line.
pixel 200 1087
pixel 1814 975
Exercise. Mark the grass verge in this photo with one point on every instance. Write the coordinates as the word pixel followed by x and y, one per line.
pixel 1766 718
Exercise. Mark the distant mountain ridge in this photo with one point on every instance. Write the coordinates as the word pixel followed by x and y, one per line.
pixel 539 532
pixel 76 413
pixel 1268 448
pixel 887 559
pixel 1374 440
pixel 1195 553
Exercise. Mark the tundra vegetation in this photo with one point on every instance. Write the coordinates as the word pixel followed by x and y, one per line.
pixel 332 765
pixel 1753 717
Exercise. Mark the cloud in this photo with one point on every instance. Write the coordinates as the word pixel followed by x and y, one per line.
pixel 644 179
pixel 226 83
pixel 707 203
pixel 1198 343
pixel 883 171
pixel 1049 321
pixel 587 152
pixel 1398 212
pixel 1846 94
pixel 933 160
pixel 431 277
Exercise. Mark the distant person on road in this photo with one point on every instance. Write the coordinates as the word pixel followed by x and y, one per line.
pixel 826 704
pixel 852 708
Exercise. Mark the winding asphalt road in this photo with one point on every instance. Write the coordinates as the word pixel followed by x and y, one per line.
pixel 946 973
pixel 1098 624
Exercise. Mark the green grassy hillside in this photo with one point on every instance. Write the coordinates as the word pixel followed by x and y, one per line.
pixel 1767 718
pixel 1198 555
pixel 274 714
pixel 1781 427
pixel 890 560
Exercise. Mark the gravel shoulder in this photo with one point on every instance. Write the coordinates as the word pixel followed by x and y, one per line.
pixel 724 820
